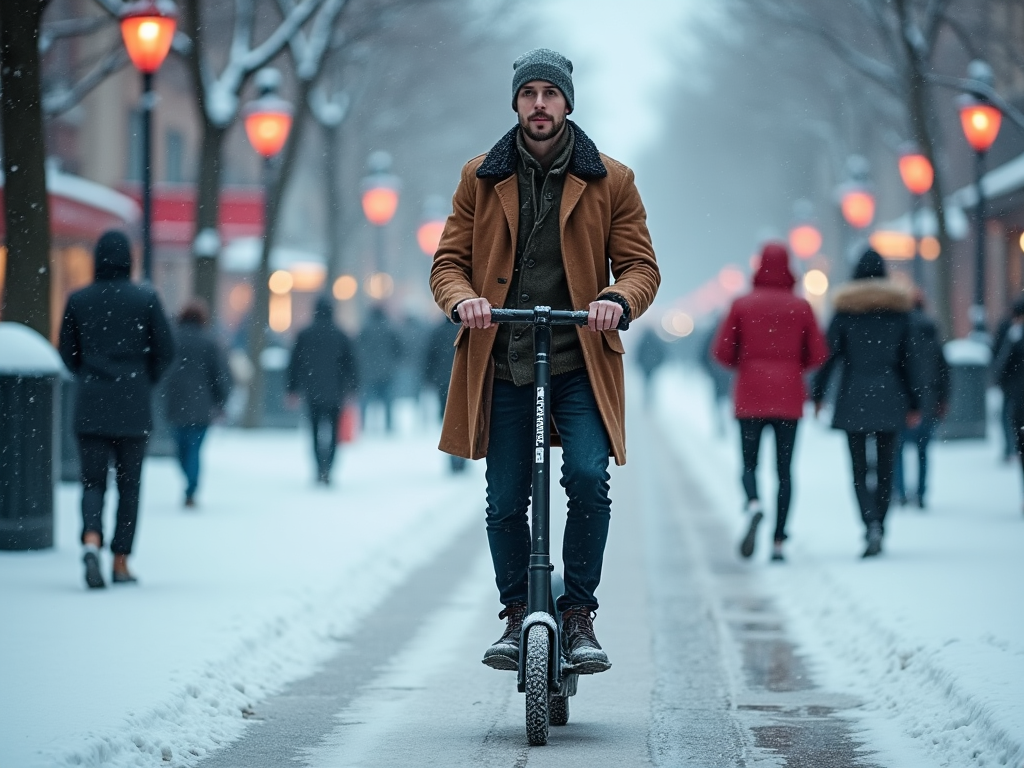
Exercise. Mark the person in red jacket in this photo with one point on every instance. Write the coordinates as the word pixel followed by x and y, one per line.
pixel 771 338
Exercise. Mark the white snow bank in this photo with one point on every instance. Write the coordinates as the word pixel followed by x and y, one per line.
pixel 930 636
pixel 252 590
pixel 25 352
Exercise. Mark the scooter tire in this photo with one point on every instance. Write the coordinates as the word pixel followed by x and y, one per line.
pixel 559 708
pixel 538 657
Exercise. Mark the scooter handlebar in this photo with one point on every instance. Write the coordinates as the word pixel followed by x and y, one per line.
pixel 555 317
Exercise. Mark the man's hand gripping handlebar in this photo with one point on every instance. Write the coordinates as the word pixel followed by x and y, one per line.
pixel 602 315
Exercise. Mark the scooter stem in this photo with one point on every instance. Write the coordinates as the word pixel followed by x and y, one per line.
pixel 539 591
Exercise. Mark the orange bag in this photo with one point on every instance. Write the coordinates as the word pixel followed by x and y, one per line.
pixel 348 423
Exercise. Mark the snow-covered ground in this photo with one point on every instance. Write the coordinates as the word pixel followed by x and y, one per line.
pixel 930 636
pixel 252 590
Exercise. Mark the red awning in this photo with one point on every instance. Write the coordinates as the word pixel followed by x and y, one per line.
pixel 241 213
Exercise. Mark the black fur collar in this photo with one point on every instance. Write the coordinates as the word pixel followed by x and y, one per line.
pixel 500 162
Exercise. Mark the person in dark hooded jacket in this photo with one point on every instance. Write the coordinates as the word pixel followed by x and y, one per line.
pixel 771 338
pixel 380 351
pixel 1009 371
pixel 870 339
pixel 323 370
pixel 117 342
pixel 197 387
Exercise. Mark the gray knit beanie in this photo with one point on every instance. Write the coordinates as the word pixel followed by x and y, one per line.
pixel 543 64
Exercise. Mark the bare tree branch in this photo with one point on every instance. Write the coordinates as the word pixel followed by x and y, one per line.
pixel 57 30
pixel 58 101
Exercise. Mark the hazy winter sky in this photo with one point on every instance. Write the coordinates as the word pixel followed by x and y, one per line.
pixel 623 54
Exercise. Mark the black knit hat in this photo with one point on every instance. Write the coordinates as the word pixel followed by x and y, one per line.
pixel 543 64
pixel 871 265
pixel 113 256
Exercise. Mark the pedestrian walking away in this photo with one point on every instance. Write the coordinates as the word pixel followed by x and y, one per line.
pixel 380 350
pixel 543 219
pixel 650 356
pixel 117 342
pixel 196 390
pixel 323 371
pixel 437 371
pixel 1009 370
pixel 870 342
pixel 932 381
pixel 1005 417
pixel 770 338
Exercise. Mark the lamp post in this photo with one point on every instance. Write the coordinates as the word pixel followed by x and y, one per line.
pixel 917 174
pixel 856 201
pixel 980 121
pixel 268 120
pixel 380 200
pixel 428 235
pixel 147 28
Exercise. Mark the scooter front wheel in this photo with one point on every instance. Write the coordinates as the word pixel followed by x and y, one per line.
pixel 538 656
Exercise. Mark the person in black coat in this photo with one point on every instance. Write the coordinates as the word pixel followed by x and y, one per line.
pixel 870 338
pixel 437 370
pixel 1009 371
pixel 932 377
pixel 323 370
pixel 117 342
pixel 380 350
pixel 650 356
pixel 197 387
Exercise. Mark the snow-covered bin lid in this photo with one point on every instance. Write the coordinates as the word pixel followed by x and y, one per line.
pixel 274 358
pixel 967 352
pixel 23 352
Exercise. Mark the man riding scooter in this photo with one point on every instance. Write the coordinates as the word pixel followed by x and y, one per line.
pixel 543 219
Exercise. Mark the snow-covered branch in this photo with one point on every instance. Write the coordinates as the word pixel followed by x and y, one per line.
pixel 61 100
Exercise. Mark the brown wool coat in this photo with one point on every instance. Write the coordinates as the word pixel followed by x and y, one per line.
pixel 604 234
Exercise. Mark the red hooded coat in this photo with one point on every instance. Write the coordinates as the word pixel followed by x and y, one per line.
pixel 771 338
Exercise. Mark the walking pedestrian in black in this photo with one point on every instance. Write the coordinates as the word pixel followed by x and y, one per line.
pixel 197 387
pixel 870 340
pixel 650 355
pixel 932 377
pixel 437 371
pixel 323 370
pixel 1009 371
pixel 117 342
pixel 380 349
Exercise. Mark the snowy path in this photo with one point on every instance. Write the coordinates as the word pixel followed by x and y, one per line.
pixel 237 599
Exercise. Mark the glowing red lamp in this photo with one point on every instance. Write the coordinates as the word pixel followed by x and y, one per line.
pixel 805 240
pixel 268 121
pixel 980 121
pixel 917 172
pixel 379 205
pixel 858 207
pixel 429 236
pixel 148 30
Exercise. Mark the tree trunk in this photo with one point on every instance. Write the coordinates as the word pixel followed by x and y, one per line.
pixel 261 290
pixel 207 214
pixel 26 208
pixel 332 196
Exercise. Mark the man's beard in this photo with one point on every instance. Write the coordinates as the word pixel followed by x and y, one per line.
pixel 556 126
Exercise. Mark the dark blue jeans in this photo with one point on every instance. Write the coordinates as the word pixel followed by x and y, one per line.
pixel 585 449
pixel 190 440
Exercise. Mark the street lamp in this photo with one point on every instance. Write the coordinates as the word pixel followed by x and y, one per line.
pixel 268 120
pixel 147 28
pixel 428 236
pixel 380 200
pixel 980 121
pixel 858 206
pixel 917 174
pixel 804 238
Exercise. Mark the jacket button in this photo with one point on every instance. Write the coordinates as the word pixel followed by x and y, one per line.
pixel 525 297
pixel 514 356
pixel 531 263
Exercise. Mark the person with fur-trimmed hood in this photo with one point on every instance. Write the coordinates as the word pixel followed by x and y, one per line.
pixel 870 338
pixel 543 219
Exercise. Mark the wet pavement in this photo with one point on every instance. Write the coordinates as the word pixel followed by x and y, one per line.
pixel 704 672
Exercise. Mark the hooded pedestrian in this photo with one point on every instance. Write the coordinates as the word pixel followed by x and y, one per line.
pixel 380 350
pixel 322 370
pixel 650 356
pixel 1009 371
pixel 870 339
pixel 437 371
pixel 932 380
pixel 771 339
pixel 117 342
pixel 197 388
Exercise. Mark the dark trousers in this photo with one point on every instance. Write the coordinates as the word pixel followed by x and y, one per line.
pixel 919 436
pixel 96 452
pixel 379 392
pixel 190 441
pixel 585 449
pixel 873 498
pixel 324 419
pixel 785 440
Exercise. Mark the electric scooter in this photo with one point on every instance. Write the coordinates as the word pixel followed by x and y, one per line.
pixel 545 675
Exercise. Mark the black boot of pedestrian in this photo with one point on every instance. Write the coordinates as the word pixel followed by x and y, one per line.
pixel 747 545
pixel 504 653
pixel 874 547
pixel 93 577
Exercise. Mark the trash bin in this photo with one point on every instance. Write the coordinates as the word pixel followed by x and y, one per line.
pixel 30 371
pixel 969 362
